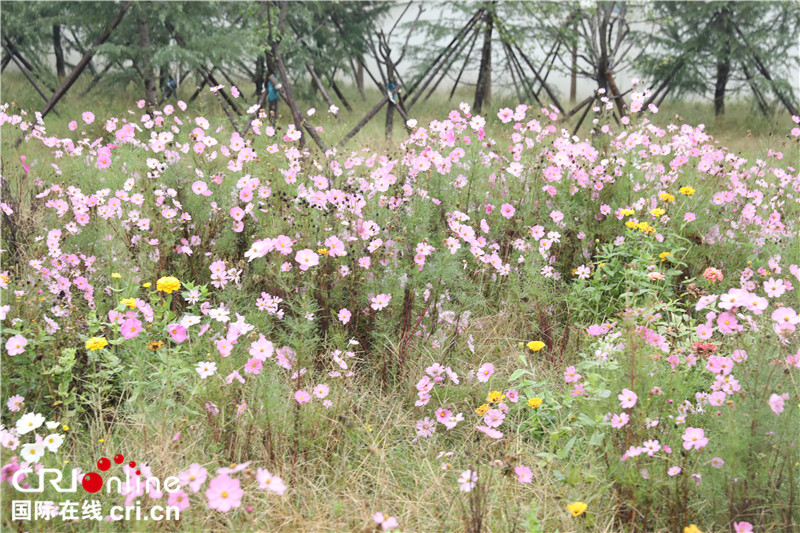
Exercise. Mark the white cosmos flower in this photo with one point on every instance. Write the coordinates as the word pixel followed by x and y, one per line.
pixel 31 453
pixel 29 422
pixel 53 442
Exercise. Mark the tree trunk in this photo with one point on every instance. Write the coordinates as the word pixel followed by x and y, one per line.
pixel 151 97
pixel 59 52
pixel 723 63
pixel 723 72
pixel 360 79
pixel 391 76
pixel 483 89
pixel 573 78
pixel 259 76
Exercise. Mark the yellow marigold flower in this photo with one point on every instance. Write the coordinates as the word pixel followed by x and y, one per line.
pixel 664 255
pixel 495 396
pixel 667 197
pixel 322 251
pixel 535 403
pixel 154 345
pixel 631 224
pixel 116 275
pixel 168 284
pixel 657 212
pixel 482 410
pixel 535 346
pixel 65 427
pixel 692 529
pixel 96 343
pixel 627 212
pixel 601 265
pixel 577 508
pixel 147 285
pixel 688 191
pixel 130 302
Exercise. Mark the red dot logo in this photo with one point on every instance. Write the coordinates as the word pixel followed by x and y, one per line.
pixel 103 464
pixel 119 458
pixel 92 482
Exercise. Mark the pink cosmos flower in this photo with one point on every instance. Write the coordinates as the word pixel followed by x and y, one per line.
pixel 307 259
pixel 786 316
pixel 386 522
pixel 178 499
pixel 344 316
pixel 131 328
pixel 253 366
pixel 321 391
pixel 467 480
pixel 381 301
pixel 674 471
pixel 73 125
pixel 15 403
pixel 88 117
pixel 727 323
pixel 283 244
pixel 694 438
pixel 177 332
pixel 16 345
pixel 490 432
pixel 507 210
pixel 571 375
pixel 200 188
pixel 773 288
pixel 627 398
pixel 262 349
pixel 485 372
pixel 426 427
pixel 524 474
pixel 267 481
pixel 335 247
pixel 618 421
pixel 705 331
pixel 494 418
pixel 776 403
pixel 302 397
pixel 194 477
pixel 224 493
pixel 742 527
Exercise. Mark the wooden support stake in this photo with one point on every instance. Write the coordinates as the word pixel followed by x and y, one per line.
pixel 540 80
pixel 367 118
pixel 586 112
pixel 321 87
pixel 335 87
pixel 286 95
pixel 28 77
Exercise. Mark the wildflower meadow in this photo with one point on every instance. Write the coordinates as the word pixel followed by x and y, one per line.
pixel 491 323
